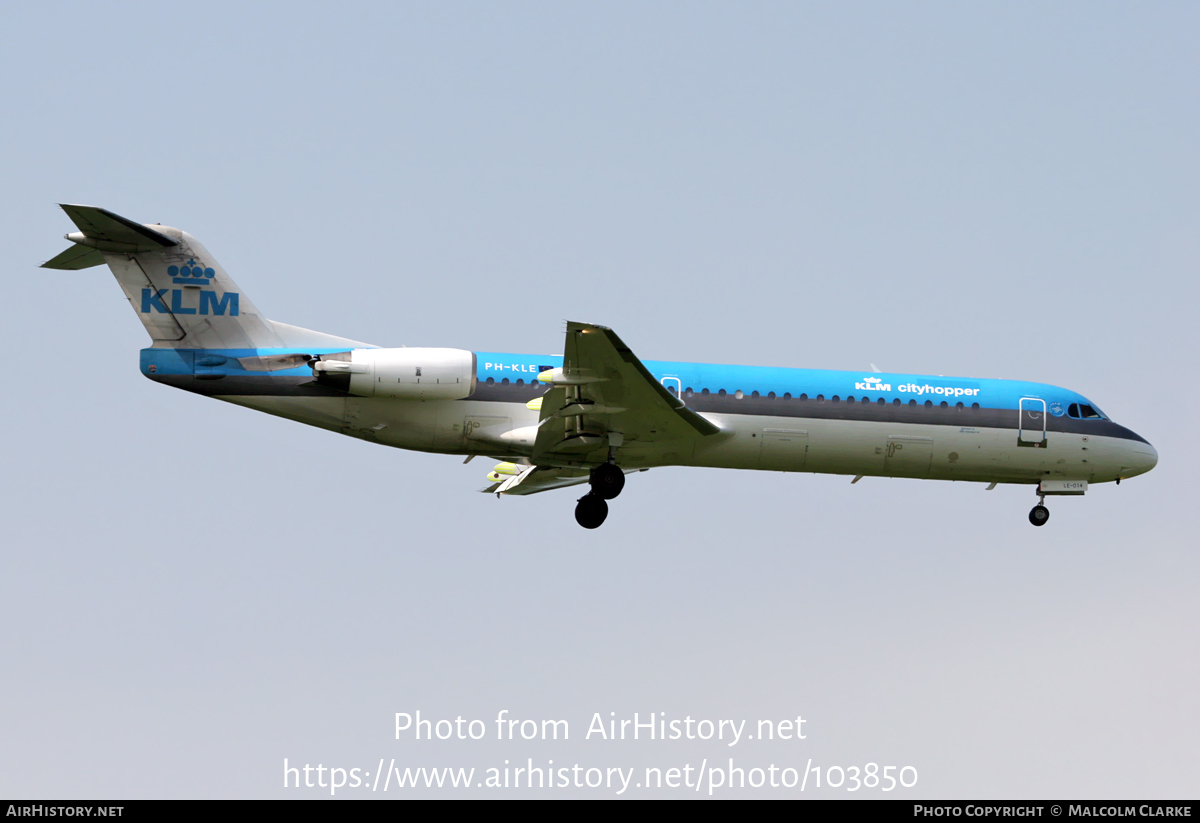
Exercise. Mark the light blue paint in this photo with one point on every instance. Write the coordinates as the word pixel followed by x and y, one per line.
pixel 988 393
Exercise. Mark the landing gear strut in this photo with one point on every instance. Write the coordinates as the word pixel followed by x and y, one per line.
pixel 591 510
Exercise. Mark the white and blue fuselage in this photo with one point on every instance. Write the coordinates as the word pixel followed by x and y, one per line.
pixel 782 419
pixel 595 412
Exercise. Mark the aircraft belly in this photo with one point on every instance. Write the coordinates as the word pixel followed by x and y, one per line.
pixel 322 412
pixel 848 447
pixel 874 449
pixel 445 426
pixel 967 453
pixel 783 449
pixel 479 427
pixel 404 424
pixel 736 448
pixel 422 426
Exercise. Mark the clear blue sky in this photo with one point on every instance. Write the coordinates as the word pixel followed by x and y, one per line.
pixel 191 592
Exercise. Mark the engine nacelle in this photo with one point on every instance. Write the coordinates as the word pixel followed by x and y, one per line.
pixel 406 374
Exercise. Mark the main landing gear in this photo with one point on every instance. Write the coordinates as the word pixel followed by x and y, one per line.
pixel 591 510
pixel 606 481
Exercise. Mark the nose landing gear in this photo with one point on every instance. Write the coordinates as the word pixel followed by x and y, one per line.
pixel 1039 514
pixel 1061 486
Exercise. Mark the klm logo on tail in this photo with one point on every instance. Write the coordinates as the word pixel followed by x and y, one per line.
pixel 193 275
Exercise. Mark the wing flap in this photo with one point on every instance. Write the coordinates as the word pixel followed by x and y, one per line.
pixel 538 479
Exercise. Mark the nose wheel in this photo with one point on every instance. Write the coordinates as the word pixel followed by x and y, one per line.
pixel 1038 515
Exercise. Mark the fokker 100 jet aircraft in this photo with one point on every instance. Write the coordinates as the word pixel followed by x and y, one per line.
pixel 596 412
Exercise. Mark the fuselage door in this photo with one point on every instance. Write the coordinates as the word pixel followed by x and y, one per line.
pixel 783 450
pixel 908 456
pixel 1031 430
pixel 673 385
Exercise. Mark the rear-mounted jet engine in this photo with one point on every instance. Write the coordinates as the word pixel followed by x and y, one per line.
pixel 405 374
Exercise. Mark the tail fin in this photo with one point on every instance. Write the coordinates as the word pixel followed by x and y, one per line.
pixel 180 293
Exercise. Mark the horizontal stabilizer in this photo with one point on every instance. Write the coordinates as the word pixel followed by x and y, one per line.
pixel 76 257
pixel 112 232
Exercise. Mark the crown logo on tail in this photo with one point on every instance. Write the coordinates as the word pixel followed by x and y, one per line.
pixel 191 274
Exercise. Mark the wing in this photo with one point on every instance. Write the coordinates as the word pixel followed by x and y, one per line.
pixel 603 397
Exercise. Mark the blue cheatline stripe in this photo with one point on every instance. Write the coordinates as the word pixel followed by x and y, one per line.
pixel 221 361
pixel 995 394
pixel 696 377
pixel 795 409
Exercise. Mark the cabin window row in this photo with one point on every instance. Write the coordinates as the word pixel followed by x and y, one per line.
pixel 1080 411
pixel 520 381
pixel 820 398
pixel 1076 410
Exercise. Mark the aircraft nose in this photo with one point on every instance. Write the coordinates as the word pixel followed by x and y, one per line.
pixel 1142 457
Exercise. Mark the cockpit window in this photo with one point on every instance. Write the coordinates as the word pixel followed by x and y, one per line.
pixel 1082 411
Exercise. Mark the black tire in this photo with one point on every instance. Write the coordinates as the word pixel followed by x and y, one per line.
pixel 591 511
pixel 607 481
pixel 1038 515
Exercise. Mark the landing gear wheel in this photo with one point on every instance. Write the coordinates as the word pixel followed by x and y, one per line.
pixel 607 481
pixel 591 510
pixel 1038 515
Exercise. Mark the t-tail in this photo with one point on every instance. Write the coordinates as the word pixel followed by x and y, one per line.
pixel 180 293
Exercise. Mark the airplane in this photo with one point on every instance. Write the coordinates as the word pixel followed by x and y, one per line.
pixel 596 412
